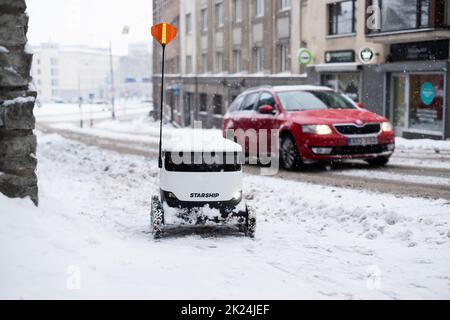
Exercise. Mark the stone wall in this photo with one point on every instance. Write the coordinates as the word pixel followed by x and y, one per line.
pixel 17 141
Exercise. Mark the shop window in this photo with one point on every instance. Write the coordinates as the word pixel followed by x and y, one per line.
pixel 217 103
pixel 342 17
pixel 403 14
pixel 203 102
pixel 426 102
pixel 346 83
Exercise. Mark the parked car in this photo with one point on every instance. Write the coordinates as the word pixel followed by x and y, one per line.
pixel 316 124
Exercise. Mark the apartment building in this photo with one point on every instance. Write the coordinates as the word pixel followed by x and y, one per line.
pixel 385 54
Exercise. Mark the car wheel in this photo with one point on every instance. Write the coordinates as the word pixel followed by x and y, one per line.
pixel 290 159
pixel 378 162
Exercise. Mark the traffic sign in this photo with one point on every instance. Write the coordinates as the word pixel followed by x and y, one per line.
pixel 164 33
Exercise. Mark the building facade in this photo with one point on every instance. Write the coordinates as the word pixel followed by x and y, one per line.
pixel 390 55
pixel 134 72
pixel 62 73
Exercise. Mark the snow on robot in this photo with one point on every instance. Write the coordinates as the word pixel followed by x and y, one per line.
pixel 201 184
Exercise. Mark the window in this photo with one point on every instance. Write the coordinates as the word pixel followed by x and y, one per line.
pixel 426 112
pixel 342 18
pixel 219 61
pixel 259 8
pixel 259 59
pixel 237 60
pixel 205 62
pixel 447 13
pixel 249 102
pixel 217 103
pixel 285 4
pixel 203 102
pixel 283 54
pixel 403 14
pixel 54 72
pixel 38 71
pixel 188 23
pixel 54 82
pixel 236 105
pixel 204 16
pixel 347 83
pixel 313 100
pixel 219 14
pixel 188 64
pixel 266 99
pixel 53 61
pixel 237 10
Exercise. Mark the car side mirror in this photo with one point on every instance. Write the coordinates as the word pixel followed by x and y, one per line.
pixel 361 105
pixel 266 109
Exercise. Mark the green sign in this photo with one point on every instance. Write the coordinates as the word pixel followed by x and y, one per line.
pixel 427 93
pixel 304 56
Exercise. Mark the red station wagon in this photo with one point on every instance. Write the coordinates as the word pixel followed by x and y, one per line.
pixel 315 124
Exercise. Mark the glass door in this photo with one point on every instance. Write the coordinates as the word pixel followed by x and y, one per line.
pixel 400 102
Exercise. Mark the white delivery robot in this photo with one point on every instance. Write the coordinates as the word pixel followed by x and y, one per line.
pixel 200 183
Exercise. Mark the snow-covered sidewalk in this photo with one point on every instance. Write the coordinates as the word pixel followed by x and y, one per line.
pixel 90 239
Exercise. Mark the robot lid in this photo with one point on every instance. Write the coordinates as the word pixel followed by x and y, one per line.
pixel 198 140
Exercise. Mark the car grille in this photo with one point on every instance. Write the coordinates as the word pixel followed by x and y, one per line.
pixel 352 150
pixel 350 129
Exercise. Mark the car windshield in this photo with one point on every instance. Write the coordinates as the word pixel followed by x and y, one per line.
pixel 313 100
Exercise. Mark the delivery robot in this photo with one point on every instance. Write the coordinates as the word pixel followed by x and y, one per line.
pixel 201 184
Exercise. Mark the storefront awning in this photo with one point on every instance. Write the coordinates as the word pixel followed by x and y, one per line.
pixel 337 67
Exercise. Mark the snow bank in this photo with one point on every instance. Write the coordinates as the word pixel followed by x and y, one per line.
pixel 422 144
pixel 18 100
pixel 3 50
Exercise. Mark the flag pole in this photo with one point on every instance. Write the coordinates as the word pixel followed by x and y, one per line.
pixel 160 164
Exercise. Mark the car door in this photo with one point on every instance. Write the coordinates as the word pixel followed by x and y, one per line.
pixel 246 114
pixel 231 118
pixel 265 123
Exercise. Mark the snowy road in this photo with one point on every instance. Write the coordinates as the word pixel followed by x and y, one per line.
pixel 416 173
pixel 313 241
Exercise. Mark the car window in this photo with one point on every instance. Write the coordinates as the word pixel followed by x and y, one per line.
pixel 235 106
pixel 266 99
pixel 313 100
pixel 250 101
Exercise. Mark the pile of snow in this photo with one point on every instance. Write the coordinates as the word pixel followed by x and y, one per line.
pixel 423 144
pixel 3 50
pixel 18 100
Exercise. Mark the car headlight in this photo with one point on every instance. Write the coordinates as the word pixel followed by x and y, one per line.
pixel 321 129
pixel 386 127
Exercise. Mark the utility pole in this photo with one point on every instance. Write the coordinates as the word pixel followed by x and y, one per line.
pixel 113 105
